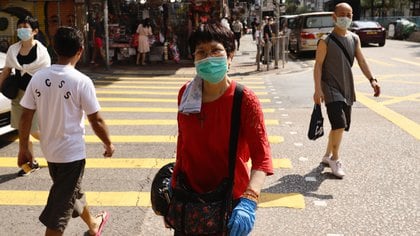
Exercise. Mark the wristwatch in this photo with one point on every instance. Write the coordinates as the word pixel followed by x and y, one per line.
pixel 373 79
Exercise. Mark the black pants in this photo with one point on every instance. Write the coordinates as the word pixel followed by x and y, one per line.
pixel 238 39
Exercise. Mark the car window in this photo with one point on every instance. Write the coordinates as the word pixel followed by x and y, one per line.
pixel 319 22
pixel 290 21
pixel 366 24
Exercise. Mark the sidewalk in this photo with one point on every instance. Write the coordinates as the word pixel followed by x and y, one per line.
pixel 243 64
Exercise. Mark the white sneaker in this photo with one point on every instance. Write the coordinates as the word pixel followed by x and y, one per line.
pixel 337 168
pixel 326 160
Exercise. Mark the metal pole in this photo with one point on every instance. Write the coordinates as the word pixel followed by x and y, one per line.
pixel 267 45
pixel 276 47
pixel 259 40
pixel 283 45
pixel 106 34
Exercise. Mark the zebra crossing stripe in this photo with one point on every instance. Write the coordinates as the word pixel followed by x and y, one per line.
pixel 154 100
pixel 180 83
pixel 131 163
pixel 156 109
pixel 157 87
pixel 133 199
pixel 159 93
pixel 155 139
pixel 124 122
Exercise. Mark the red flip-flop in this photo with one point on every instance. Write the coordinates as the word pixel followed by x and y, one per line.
pixel 105 217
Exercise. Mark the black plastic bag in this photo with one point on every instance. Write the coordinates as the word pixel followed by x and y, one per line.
pixel 316 126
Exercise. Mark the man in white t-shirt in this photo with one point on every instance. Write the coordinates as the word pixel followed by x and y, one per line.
pixel 61 95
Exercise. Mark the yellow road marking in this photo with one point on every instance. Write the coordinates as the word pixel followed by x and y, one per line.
pixel 405 61
pixel 155 139
pixel 131 163
pixel 139 122
pixel 154 109
pixel 113 86
pixel 149 139
pixel 173 78
pixel 156 100
pixel 411 97
pixel 160 93
pixel 403 122
pixel 159 82
pixel 133 199
pixel 390 76
pixel 380 62
pixel 138 109
pixel 291 200
pixel 159 122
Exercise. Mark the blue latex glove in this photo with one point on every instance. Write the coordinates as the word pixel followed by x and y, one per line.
pixel 242 219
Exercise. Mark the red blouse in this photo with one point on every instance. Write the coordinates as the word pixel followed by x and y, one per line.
pixel 203 143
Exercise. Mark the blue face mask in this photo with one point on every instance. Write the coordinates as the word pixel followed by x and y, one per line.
pixel 212 69
pixel 24 33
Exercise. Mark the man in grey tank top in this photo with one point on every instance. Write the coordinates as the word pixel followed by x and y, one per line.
pixel 333 80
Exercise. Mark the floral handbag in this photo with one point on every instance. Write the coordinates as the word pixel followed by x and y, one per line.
pixel 199 214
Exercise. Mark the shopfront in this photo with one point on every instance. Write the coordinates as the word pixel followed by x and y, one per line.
pixel 172 22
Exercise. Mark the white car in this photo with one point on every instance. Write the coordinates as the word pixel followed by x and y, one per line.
pixel 5 105
pixel 307 29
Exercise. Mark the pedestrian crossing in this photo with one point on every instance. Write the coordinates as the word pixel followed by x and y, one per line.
pixel 146 98
pixel 131 199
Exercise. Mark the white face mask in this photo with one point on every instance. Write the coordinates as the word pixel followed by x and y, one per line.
pixel 24 33
pixel 343 22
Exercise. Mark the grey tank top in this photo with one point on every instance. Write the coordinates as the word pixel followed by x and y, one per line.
pixel 337 78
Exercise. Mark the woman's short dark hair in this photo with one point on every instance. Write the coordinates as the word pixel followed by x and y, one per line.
pixel 68 41
pixel 32 21
pixel 214 32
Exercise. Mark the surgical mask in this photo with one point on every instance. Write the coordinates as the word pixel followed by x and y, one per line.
pixel 343 22
pixel 212 69
pixel 24 33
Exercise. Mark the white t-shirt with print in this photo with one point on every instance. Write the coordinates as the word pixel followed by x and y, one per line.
pixel 61 95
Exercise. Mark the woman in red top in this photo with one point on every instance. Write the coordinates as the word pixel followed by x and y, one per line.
pixel 204 116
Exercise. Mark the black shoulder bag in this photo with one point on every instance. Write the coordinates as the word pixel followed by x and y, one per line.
pixel 192 213
pixel 10 87
pixel 339 44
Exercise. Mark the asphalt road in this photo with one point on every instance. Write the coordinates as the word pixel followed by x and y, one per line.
pixel 378 196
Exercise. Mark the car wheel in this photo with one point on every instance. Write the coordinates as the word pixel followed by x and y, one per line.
pixel 381 44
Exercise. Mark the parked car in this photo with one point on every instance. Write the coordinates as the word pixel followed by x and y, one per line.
pixel 5 104
pixel 401 29
pixel 307 29
pixel 369 32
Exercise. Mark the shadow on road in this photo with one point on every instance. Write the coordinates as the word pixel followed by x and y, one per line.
pixel 306 185
pixel 7 177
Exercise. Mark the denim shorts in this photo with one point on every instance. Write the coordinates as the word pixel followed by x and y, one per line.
pixel 66 199
pixel 339 114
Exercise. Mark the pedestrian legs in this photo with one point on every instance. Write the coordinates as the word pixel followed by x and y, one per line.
pixel 334 141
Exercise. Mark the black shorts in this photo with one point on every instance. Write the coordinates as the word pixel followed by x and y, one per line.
pixel 66 198
pixel 339 114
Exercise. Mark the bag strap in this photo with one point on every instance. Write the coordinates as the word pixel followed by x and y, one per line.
pixel 233 141
pixel 339 44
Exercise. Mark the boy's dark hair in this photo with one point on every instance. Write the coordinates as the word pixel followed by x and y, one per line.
pixel 68 41
pixel 32 21
pixel 214 32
